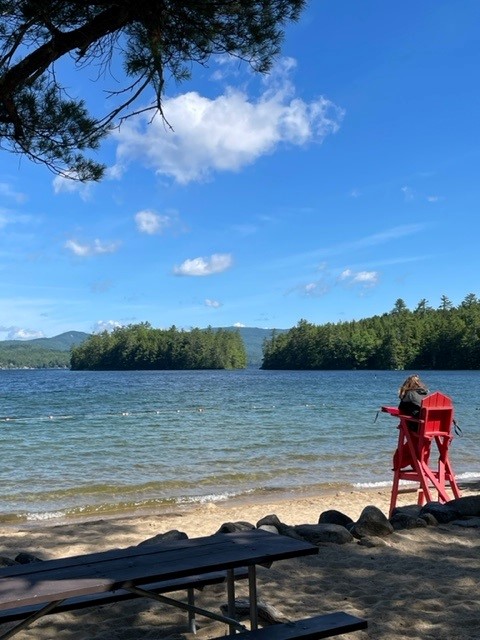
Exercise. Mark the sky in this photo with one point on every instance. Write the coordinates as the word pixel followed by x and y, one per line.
pixel 346 178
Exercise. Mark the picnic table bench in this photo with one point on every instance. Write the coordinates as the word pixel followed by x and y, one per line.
pixel 29 592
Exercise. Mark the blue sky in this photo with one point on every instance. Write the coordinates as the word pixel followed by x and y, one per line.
pixel 345 179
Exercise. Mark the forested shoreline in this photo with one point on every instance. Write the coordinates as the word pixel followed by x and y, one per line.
pixel 446 338
pixel 139 346
pixel 27 357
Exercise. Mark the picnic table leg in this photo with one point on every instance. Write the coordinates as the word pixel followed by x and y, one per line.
pixel 252 592
pixel 28 621
pixel 185 606
pixel 191 613
pixel 231 597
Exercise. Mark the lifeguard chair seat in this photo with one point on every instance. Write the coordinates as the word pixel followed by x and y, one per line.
pixel 416 438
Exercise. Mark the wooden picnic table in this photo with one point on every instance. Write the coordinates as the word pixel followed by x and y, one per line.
pixel 50 583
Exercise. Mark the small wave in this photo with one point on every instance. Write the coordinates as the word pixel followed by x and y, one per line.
pixel 47 515
pixel 372 485
pixel 468 475
pixel 213 497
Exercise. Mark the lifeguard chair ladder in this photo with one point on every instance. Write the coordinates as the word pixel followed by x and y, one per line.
pixel 414 448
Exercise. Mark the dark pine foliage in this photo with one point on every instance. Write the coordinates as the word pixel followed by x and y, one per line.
pixel 425 338
pixel 139 346
pixel 132 47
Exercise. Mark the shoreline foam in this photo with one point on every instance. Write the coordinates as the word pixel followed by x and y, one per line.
pixel 254 503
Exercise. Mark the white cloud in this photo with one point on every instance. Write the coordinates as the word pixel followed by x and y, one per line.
pixel 66 184
pixel 93 249
pixel 8 217
pixel 216 263
pixel 408 194
pixel 106 325
pixel 362 278
pixel 149 222
pixel 376 239
pixel 214 304
pixel 314 289
pixel 225 133
pixel 239 325
pixel 16 333
pixel 7 191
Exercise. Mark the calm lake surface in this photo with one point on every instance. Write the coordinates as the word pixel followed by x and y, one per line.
pixel 86 444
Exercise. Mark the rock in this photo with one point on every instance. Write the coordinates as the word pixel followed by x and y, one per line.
pixel 280 527
pixel 467 506
pixel 169 536
pixel 272 520
pixel 443 513
pixel 372 522
pixel 473 523
pixel 26 558
pixel 231 527
pixel 430 519
pixel 404 521
pixel 7 562
pixel 268 527
pixel 321 533
pixel 287 530
pixel 412 510
pixel 334 517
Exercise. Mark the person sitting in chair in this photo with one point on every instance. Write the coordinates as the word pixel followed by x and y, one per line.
pixel 411 394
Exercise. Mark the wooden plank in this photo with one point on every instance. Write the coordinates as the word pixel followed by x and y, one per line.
pixel 106 571
pixel 229 553
pixel 323 626
pixel 104 556
pixel 98 599
pixel 254 537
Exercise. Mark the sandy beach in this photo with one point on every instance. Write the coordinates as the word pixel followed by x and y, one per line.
pixel 422 584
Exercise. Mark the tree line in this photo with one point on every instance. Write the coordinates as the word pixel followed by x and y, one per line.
pixel 444 338
pixel 139 346
pixel 23 356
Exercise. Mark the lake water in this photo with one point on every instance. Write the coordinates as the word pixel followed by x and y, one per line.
pixel 87 444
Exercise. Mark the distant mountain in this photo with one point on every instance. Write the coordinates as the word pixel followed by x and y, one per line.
pixel 62 342
pixel 47 352
pixel 39 353
pixel 253 338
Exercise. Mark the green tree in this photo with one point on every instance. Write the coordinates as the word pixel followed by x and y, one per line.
pixel 153 40
pixel 422 307
pixel 427 338
pixel 141 347
pixel 445 303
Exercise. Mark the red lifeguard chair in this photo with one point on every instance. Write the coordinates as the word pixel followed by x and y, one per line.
pixel 415 439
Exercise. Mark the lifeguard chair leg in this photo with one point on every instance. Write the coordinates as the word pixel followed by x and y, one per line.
pixel 398 462
pixel 393 498
pixel 430 477
pixel 445 472
pixel 451 480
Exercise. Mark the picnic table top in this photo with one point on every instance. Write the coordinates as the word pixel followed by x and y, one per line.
pixel 52 580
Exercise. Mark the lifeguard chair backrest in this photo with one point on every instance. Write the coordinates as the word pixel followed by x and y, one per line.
pixel 436 415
